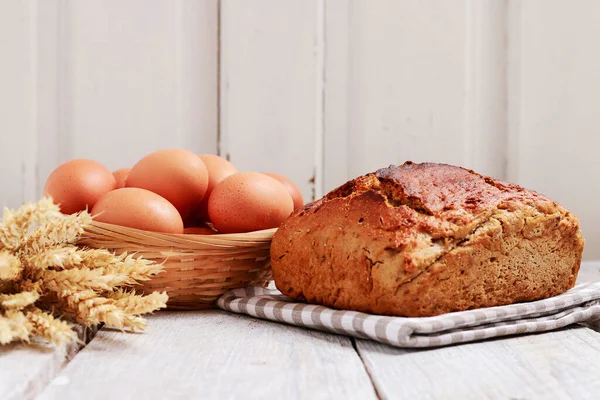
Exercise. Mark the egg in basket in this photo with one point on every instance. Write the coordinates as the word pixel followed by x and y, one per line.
pixel 210 225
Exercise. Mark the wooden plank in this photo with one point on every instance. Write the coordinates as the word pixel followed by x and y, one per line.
pixel 27 369
pixel 271 88
pixel 214 355
pixel 554 92
pixel 414 80
pixel 137 78
pixel 563 364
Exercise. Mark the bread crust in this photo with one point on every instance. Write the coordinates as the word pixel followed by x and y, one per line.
pixel 426 239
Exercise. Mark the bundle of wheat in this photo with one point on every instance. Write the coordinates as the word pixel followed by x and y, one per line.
pixel 46 280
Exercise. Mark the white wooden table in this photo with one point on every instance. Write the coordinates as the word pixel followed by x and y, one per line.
pixel 216 355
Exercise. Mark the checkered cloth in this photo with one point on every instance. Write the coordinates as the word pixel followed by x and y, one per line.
pixel 578 305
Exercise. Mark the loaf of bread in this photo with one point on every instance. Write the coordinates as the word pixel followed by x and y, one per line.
pixel 426 239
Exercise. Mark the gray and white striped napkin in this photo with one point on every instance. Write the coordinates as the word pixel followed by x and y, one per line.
pixel 578 305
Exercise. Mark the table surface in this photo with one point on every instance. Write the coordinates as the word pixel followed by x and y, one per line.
pixel 217 355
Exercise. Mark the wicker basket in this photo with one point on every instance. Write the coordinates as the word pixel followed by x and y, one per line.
pixel 198 268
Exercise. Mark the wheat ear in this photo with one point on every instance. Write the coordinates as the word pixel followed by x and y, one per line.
pixel 92 309
pixel 56 256
pixel 139 268
pixel 16 224
pixel 82 279
pixel 10 266
pixel 18 301
pixel 70 257
pixel 137 304
pixel 47 327
pixel 64 230
pixel 14 326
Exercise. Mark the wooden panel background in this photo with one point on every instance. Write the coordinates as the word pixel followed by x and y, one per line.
pixel 110 80
pixel 320 90
pixel 414 80
pixel 271 87
pixel 18 105
pixel 554 105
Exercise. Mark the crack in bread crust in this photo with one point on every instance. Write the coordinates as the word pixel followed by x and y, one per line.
pixel 457 243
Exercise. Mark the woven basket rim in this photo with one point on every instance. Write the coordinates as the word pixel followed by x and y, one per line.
pixel 152 239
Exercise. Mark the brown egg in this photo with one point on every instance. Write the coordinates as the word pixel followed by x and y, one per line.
pixel 139 209
pixel 218 169
pixel 179 176
pixel 78 184
pixel 199 230
pixel 121 176
pixel 290 187
pixel 249 201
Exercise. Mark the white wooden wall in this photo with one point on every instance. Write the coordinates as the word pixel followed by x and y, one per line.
pixel 319 90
